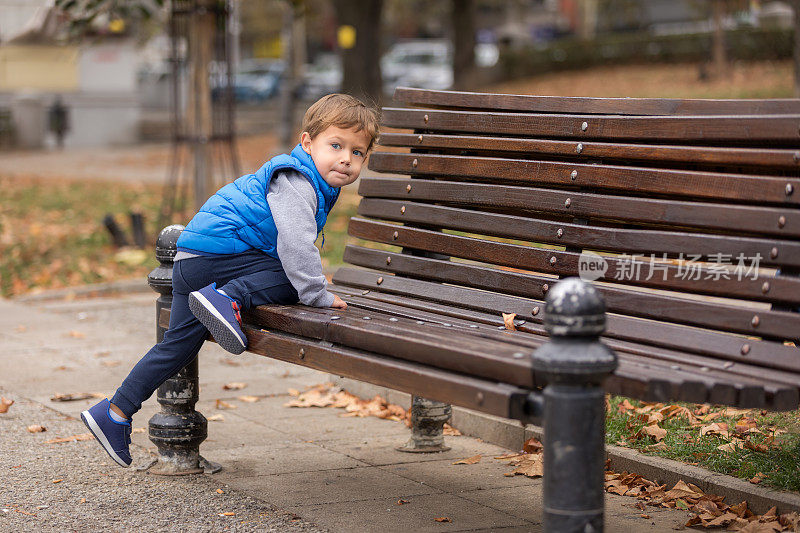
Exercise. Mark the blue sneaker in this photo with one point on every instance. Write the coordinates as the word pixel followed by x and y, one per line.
pixel 113 436
pixel 220 314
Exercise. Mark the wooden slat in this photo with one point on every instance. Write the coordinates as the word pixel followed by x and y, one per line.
pixel 726 348
pixel 571 104
pixel 629 241
pixel 786 159
pixel 635 181
pixel 465 391
pixel 562 263
pixel 779 221
pixel 404 340
pixel 727 129
pixel 689 377
pixel 668 308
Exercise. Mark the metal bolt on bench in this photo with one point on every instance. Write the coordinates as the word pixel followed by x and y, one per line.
pixel 178 429
pixel 574 363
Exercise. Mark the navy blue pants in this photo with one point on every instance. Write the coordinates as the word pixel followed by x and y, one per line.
pixel 252 278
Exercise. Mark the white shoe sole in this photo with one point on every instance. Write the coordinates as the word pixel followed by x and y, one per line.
pixel 220 329
pixel 101 438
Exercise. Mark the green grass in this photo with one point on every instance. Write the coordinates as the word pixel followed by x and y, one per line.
pixel 52 235
pixel 780 465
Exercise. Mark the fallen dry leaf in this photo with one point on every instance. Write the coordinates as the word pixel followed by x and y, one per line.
pixel 443 519
pixel 731 446
pixel 222 404
pixel 234 385
pixel 528 464
pixel 110 363
pixel 758 478
pixel 469 460
pixel 227 514
pixel 655 431
pixel 5 403
pixel 402 501
pixel 220 491
pixel 76 334
pixel 76 396
pixel 717 428
pixel 450 431
pixel 532 445
pixel 216 418
pixel 293 392
pixel 57 480
pixel 249 399
pixel 508 320
pixel 36 429
pixel 71 438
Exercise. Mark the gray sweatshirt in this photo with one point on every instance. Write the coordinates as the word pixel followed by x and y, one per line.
pixel 293 204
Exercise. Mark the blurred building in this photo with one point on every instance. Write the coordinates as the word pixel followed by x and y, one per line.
pixel 96 81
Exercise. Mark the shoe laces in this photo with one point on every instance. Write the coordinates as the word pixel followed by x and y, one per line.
pixel 237 312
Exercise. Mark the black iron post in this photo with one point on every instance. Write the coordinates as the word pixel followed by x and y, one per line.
pixel 427 426
pixel 574 364
pixel 178 429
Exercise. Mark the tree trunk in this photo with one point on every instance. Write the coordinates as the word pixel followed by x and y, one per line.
pixel 362 70
pixel 796 6
pixel 719 59
pixel 463 18
pixel 201 50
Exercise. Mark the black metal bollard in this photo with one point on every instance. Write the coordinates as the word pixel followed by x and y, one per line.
pixel 427 422
pixel 178 429
pixel 575 363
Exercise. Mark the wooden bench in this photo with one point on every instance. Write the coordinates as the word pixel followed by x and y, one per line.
pixel 684 211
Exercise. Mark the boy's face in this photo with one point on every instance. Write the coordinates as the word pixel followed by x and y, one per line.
pixel 337 153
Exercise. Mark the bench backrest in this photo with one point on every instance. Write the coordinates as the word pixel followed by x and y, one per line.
pixel 685 211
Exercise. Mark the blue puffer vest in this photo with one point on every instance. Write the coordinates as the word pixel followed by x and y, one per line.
pixel 237 217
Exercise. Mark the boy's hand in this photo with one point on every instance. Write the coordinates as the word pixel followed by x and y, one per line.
pixel 338 302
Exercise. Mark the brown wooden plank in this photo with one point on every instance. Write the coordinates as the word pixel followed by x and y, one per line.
pixel 762 288
pixel 681 370
pixel 779 221
pixel 634 181
pixel 465 391
pixel 726 348
pixel 591 105
pixel 773 158
pixel 725 129
pixel 659 243
pixel 668 308
pixel 404 339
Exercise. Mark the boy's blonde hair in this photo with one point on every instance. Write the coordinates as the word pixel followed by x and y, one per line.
pixel 342 111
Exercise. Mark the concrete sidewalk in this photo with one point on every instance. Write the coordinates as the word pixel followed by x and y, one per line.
pixel 284 468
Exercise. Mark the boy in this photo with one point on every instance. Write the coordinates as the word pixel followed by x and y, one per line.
pixel 252 243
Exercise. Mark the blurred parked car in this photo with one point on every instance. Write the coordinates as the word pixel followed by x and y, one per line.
pixel 323 76
pixel 427 64
pixel 255 81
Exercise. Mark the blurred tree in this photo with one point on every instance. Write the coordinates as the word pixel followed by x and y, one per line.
pixel 463 18
pixel 796 6
pixel 361 75
pixel 719 57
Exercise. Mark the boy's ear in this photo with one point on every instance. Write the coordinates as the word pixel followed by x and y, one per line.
pixel 305 142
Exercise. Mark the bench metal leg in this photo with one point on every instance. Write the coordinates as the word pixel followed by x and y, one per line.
pixel 427 422
pixel 178 429
pixel 574 363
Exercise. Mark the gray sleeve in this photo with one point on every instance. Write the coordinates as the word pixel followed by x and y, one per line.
pixel 293 204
